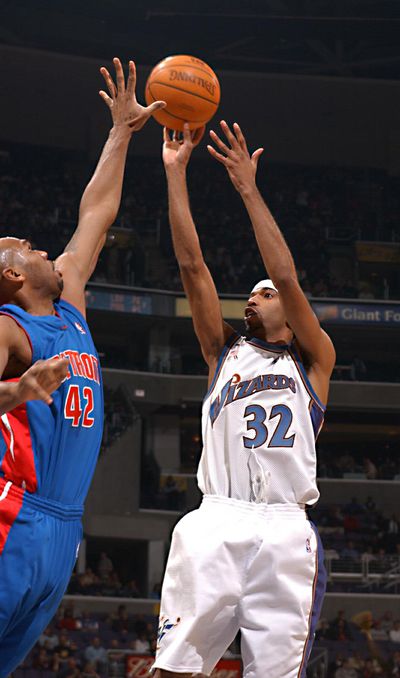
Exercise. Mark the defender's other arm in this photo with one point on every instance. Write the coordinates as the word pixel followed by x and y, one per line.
pixel 101 199
pixel 211 330
pixel 38 382
pixel 315 345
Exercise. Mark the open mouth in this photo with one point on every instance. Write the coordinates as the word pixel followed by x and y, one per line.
pixel 249 312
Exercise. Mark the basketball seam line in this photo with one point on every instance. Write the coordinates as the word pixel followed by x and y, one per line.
pixel 172 114
pixel 179 89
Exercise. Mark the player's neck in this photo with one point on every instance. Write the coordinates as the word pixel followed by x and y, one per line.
pixel 33 303
pixel 281 336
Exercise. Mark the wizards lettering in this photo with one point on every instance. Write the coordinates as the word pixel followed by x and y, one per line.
pixel 234 389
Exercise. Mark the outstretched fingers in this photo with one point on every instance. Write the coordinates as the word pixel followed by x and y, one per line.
pixel 131 83
pixel 109 82
pixel 240 136
pixel 217 156
pixel 119 75
pixel 107 100
pixel 218 141
pixel 256 156
pixel 229 135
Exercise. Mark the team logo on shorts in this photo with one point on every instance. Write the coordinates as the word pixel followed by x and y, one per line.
pixel 165 625
pixel 308 546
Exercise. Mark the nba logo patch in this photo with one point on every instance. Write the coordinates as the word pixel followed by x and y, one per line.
pixel 233 353
pixel 308 546
pixel 80 328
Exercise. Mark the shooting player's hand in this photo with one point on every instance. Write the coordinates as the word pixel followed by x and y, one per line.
pixel 236 158
pixel 178 147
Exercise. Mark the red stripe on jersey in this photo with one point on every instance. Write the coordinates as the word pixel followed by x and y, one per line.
pixel 18 463
pixel 10 505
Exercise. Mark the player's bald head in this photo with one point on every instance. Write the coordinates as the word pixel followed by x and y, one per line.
pixel 9 250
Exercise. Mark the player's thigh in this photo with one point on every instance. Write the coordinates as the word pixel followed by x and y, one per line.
pixel 282 602
pixel 208 553
pixel 16 567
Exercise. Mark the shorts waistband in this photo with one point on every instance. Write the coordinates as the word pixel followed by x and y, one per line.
pixel 297 510
pixel 42 504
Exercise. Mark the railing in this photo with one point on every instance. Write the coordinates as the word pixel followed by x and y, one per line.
pixel 378 573
pixel 317 666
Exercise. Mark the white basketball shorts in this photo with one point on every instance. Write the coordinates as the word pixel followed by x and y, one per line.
pixel 237 565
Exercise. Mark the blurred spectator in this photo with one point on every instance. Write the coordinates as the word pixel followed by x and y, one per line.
pixel 49 638
pixel 96 654
pixel 394 633
pixel 350 551
pixel 65 648
pixel 142 644
pixel 346 670
pixel 69 622
pixel 105 566
pixel 69 668
pixel 370 469
pixel 121 622
pixel 89 671
pixel 340 628
pixel 43 660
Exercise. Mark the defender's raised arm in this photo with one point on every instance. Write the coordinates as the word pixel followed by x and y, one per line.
pixel 101 199
pixel 210 328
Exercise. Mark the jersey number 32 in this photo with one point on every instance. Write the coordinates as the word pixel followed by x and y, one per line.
pixel 258 425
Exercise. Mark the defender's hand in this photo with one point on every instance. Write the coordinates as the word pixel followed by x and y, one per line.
pixel 125 110
pixel 236 158
pixel 177 148
pixel 42 379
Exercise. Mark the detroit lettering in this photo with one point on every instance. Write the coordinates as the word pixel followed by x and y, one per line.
pixel 195 79
pixel 81 364
pixel 234 389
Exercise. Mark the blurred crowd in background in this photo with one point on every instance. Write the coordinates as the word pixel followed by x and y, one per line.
pixel 40 192
pixel 79 644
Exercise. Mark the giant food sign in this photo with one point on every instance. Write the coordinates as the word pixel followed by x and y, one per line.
pixel 138 666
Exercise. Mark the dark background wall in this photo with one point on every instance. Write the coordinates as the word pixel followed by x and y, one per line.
pixel 51 99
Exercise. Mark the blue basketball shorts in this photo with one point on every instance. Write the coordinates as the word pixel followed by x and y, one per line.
pixel 39 542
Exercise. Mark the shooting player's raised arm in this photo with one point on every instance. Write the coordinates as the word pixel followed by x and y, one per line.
pixel 211 330
pixel 315 345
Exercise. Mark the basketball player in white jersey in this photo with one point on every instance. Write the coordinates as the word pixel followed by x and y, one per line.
pixel 248 558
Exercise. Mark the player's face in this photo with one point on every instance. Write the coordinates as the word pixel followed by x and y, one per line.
pixel 264 312
pixel 38 269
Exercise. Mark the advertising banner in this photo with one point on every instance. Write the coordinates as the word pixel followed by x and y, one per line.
pixel 342 313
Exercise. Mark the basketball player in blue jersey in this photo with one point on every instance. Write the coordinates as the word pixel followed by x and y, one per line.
pixel 248 559
pixel 51 399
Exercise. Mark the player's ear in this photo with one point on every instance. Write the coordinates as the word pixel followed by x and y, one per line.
pixel 10 282
pixel 11 275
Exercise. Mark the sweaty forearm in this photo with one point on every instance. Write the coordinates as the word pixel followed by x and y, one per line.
pixel 105 187
pixel 273 249
pixel 184 235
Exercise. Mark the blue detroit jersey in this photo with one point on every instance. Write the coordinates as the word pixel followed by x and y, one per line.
pixel 52 450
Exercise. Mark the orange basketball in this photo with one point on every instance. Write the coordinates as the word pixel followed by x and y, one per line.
pixel 190 89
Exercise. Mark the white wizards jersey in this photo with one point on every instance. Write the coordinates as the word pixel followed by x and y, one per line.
pixel 260 421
